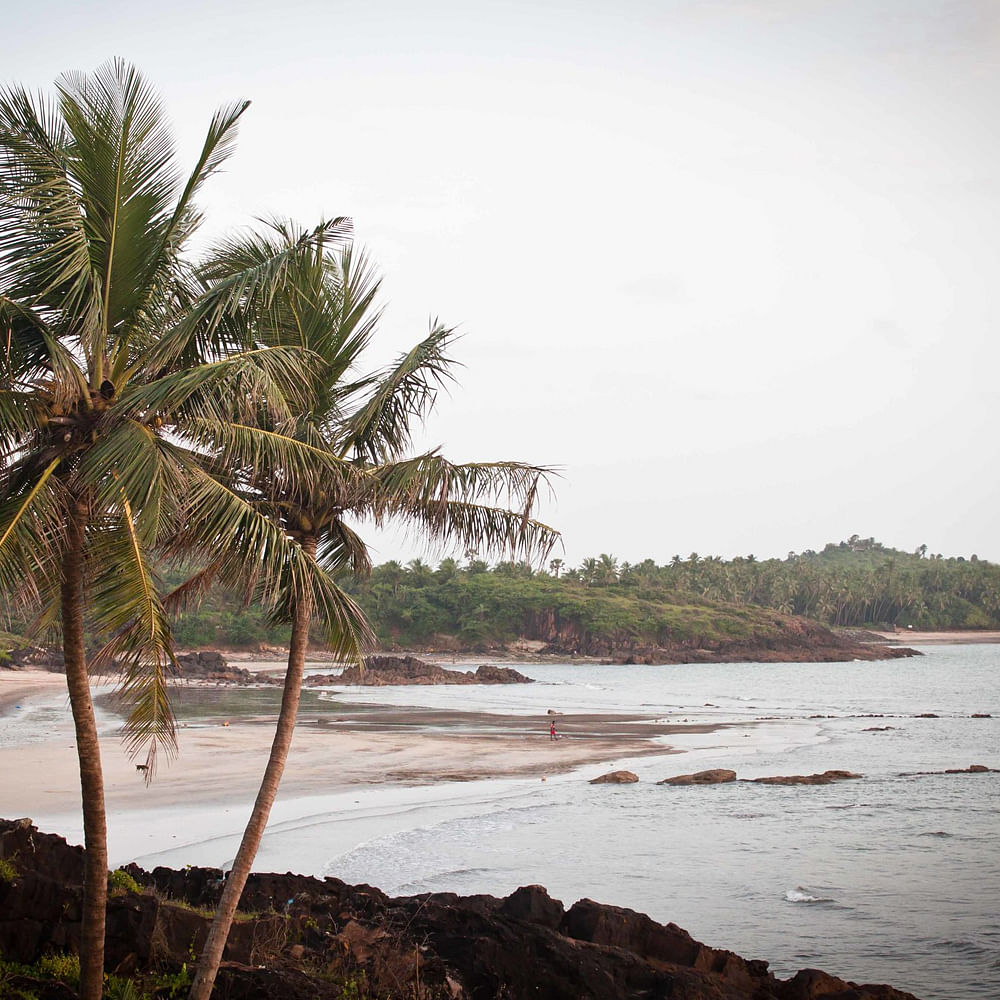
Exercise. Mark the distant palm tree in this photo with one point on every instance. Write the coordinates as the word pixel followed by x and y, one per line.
pixel 359 424
pixel 112 346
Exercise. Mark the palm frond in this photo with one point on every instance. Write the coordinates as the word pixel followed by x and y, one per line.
pixel 31 527
pixel 125 604
pixel 380 429
pixel 500 533
pixel 343 548
pixel 234 292
pixel 275 462
pixel 268 377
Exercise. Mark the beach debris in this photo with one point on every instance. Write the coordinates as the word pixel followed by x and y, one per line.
pixel 713 776
pixel 615 778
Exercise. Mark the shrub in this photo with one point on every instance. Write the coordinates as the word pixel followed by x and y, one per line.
pixel 120 882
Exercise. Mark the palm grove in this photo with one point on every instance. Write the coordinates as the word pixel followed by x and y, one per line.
pixel 214 414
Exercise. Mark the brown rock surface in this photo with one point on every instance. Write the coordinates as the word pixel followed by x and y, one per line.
pixel 826 778
pixel 616 778
pixel 302 938
pixel 714 776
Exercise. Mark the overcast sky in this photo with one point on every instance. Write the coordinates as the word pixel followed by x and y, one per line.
pixel 731 264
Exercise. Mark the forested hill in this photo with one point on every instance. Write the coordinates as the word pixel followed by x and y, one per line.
pixel 602 606
pixel 855 583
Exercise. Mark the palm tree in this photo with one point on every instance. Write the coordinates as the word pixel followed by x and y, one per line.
pixel 107 336
pixel 360 425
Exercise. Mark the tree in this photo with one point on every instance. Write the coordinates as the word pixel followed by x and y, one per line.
pixel 359 424
pixel 112 345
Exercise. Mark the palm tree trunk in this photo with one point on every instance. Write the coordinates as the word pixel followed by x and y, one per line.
pixel 211 956
pixel 95 830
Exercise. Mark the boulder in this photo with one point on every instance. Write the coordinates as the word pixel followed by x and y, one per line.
pixel 714 776
pixel 826 778
pixel 615 778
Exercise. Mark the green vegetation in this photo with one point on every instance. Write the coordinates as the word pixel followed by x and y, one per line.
pixel 54 968
pixel 855 583
pixel 120 882
pixel 8 870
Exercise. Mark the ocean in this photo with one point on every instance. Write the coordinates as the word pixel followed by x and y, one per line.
pixel 894 878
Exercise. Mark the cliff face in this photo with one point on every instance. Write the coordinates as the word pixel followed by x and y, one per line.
pixel 311 938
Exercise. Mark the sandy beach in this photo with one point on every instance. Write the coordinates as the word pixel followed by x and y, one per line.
pixel 220 760
pixel 913 637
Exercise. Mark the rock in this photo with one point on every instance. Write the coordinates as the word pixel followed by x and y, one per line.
pixel 878 729
pixel 971 769
pixel 981 715
pixel 715 776
pixel 533 904
pixel 208 665
pixel 927 715
pixel 382 670
pixel 615 778
pixel 826 778
pixel 303 938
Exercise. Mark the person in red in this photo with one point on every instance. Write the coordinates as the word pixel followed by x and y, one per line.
pixel 552 729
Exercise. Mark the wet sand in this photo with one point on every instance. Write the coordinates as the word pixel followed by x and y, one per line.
pixel 221 759
pixel 913 637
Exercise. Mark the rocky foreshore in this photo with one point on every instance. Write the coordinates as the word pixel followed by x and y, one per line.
pixel 299 937
pixel 382 670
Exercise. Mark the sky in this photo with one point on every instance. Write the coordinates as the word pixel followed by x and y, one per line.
pixel 730 266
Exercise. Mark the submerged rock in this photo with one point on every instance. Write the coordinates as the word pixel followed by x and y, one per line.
pixel 826 778
pixel 714 776
pixel 971 769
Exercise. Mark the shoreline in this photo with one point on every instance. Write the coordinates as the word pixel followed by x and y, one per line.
pixel 391 752
pixel 911 637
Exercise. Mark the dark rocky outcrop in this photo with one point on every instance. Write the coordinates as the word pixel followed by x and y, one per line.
pixel 307 939
pixel 214 668
pixel 616 778
pixel 714 776
pixel 826 778
pixel 382 670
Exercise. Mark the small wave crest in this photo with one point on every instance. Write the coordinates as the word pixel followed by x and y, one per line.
pixel 803 895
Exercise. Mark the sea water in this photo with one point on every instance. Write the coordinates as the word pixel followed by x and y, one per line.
pixel 893 878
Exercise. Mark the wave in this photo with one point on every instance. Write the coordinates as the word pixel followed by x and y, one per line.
pixel 803 895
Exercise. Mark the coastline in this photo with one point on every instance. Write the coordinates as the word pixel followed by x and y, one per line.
pixel 911 637
pixel 217 771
